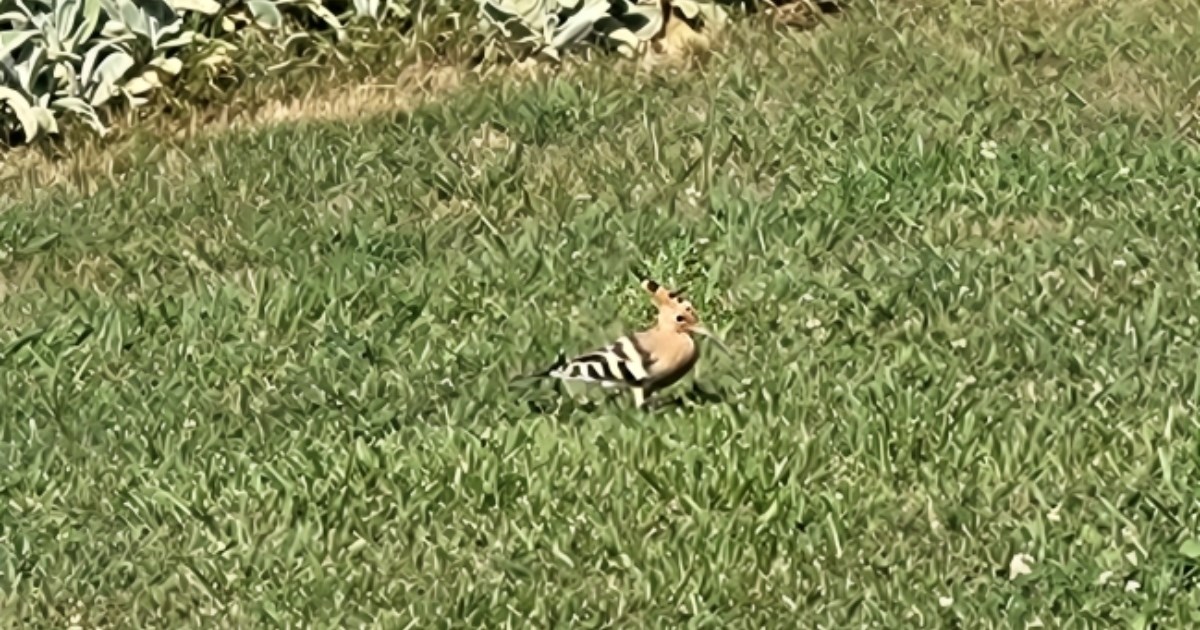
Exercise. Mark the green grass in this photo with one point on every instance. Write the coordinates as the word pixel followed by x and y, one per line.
pixel 270 388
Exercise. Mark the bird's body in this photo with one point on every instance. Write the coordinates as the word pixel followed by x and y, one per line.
pixel 645 361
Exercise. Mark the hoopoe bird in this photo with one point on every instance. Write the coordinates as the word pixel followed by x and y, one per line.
pixel 646 361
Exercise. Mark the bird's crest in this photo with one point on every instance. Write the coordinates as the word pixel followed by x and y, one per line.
pixel 675 312
pixel 662 296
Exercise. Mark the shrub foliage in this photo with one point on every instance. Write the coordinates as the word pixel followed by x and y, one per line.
pixel 77 57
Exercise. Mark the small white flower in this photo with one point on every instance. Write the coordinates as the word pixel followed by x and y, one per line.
pixel 1123 172
pixel 945 601
pixel 987 149
pixel 959 343
pixel 812 323
pixel 1053 516
pixel 1132 586
pixel 1119 263
pixel 1104 577
pixel 1020 565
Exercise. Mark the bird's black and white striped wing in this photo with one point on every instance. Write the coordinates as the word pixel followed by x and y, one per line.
pixel 622 364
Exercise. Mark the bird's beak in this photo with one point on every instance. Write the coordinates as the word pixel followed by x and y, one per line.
pixel 709 334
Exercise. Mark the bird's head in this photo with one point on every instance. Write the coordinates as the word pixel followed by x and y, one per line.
pixel 676 313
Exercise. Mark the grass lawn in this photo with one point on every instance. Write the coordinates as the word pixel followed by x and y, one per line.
pixel 954 250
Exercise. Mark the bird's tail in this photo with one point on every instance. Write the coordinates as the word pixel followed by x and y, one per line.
pixel 558 363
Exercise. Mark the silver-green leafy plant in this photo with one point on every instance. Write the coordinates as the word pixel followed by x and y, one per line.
pixel 551 26
pixel 76 57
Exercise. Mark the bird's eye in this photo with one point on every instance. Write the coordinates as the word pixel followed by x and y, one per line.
pixel 679 318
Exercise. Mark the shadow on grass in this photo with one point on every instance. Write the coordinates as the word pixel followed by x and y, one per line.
pixel 564 405
pixel 695 397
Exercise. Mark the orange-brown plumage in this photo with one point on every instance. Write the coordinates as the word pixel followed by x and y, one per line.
pixel 645 361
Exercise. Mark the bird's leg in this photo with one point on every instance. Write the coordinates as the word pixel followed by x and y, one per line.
pixel 564 393
pixel 703 393
pixel 639 397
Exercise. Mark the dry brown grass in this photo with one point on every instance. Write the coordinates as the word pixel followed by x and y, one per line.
pixel 92 162
pixel 85 165
pixel 342 102
pixel 679 46
pixel 1121 86
pixel 996 231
